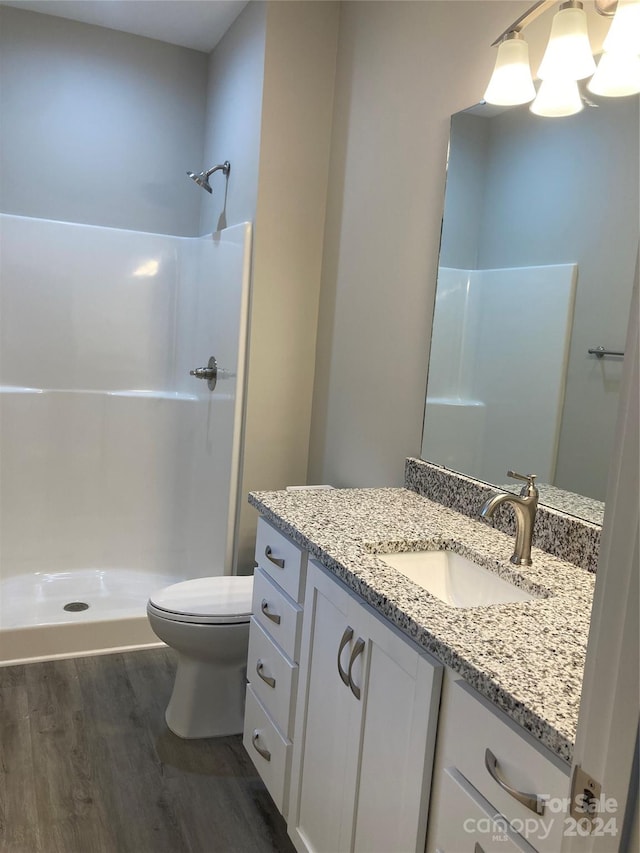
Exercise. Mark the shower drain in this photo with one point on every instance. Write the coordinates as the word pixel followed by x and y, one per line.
pixel 74 606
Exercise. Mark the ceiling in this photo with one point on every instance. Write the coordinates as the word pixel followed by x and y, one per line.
pixel 198 24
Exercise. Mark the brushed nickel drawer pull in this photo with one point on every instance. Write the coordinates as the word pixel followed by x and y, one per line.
pixel 266 678
pixel 531 801
pixel 264 606
pixel 275 560
pixel 357 650
pixel 260 749
pixel 346 637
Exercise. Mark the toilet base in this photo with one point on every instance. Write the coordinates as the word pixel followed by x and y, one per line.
pixel 207 700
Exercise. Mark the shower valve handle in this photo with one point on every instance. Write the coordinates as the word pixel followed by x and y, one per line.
pixel 210 373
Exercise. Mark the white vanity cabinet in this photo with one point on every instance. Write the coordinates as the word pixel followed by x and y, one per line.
pixel 495 787
pixel 341 718
pixel 365 726
pixel 272 662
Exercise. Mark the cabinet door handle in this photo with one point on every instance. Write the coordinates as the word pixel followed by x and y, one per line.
pixel 266 678
pixel 531 801
pixel 275 560
pixel 357 650
pixel 346 637
pixel 260 749
pixel 264 606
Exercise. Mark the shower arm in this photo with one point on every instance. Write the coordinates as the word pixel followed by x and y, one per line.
pixel 225 168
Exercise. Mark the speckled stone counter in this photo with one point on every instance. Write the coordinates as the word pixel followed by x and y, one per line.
pixel 527 658
pixel 568 537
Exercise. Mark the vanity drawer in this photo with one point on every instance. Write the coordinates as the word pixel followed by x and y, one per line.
pixel 273 678
pixel 468 824
pixel 280 617
pixel 281 558
pixel 269 751
pixel 471 728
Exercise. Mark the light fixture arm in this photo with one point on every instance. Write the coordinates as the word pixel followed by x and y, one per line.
pixel 525 19
pixel 607 8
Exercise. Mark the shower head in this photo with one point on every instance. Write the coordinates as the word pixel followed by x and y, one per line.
pixel 202 180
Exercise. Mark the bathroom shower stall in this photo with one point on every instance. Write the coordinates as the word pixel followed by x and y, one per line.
pixel 118 469
pixel 495 392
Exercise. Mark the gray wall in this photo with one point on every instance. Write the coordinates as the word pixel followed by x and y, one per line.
pixel 403 68
pixel 269 112
pixel 233 120
pixel 264 101
pixel 566 191
pixel 99 126
pixel 465 193
pixel 295 135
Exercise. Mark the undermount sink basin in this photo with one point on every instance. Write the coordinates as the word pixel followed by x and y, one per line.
pixel 455 579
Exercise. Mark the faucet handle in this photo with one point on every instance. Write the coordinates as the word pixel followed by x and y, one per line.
pixel 530 479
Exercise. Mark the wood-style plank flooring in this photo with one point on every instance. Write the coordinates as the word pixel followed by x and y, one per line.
pixel 87 765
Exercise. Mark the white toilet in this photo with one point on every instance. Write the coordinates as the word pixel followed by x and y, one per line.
pixel 206 621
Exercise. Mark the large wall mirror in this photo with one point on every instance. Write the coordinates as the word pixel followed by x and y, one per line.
pixel 537 263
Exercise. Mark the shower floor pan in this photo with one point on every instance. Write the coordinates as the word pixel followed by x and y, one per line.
pixel 86 611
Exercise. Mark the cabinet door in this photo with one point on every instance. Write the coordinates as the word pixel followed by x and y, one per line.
pixel 327 724
pixel 399 724
pixel 362 750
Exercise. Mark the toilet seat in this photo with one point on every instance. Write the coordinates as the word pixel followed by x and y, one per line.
pixel 207 601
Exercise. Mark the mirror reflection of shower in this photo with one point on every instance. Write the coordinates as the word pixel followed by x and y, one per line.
pixel 202 180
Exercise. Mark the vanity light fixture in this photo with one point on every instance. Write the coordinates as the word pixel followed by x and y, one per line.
pixel 511 82
pixel 568 59
pixel 557 98
pixel 568 55
pixel 618 72
pixel 617 75
pixel 624 32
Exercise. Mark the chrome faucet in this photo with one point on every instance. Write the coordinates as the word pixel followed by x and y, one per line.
pixel 525 505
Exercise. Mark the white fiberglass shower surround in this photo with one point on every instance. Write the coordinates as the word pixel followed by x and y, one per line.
pixel 118 470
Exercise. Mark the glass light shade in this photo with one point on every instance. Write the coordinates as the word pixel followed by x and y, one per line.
pixel 568 54
pixel 511 81
pixel 617 75
pixel 624 32
pixel 557 98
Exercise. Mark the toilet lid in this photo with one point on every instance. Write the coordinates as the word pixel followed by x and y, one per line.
pixel 224 599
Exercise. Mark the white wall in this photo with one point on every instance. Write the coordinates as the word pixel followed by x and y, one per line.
pixel 403 68
pixel 98 126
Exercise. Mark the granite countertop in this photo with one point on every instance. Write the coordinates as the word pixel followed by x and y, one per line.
pixel 527 657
